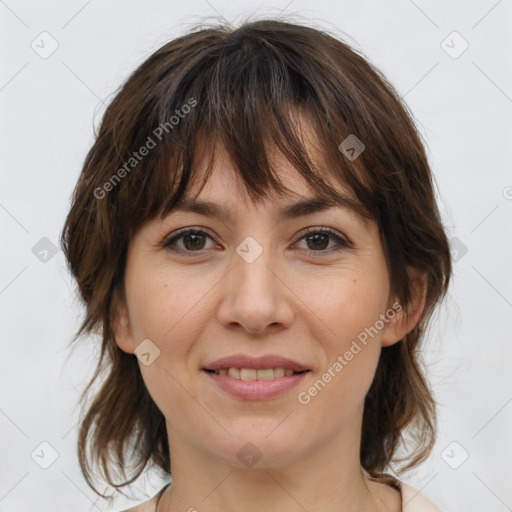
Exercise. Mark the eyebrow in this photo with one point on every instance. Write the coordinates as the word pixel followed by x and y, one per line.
pixel 300 208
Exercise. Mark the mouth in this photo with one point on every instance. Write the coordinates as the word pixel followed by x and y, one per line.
pixel 255 378
pixel 255 374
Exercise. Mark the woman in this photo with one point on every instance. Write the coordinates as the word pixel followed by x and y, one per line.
pixel 256 237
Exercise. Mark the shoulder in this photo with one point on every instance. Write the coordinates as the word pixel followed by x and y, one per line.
pixel 146 506
pixel 414 501
pixel 150 505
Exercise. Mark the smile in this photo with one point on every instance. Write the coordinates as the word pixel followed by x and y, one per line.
pixel 255 378
pixel 253 374
pixel 246 383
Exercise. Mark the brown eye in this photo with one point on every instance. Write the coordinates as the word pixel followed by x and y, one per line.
pixel 190 240
pixel 318 240
pixel 193 240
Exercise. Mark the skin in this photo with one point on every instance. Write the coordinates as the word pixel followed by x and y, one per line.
pixel 202 305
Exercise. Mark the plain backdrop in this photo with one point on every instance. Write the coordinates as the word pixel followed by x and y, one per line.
pixel 61 62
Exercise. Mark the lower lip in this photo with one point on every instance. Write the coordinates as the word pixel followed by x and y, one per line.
pixel 256 389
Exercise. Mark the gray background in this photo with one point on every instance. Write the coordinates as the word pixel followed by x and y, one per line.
pixel 463 106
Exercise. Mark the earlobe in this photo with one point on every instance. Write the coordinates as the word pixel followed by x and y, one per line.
pixel 121 325
pixel 402 323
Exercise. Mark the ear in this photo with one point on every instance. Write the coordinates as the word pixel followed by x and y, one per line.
pixel 401 324
pixel 121 323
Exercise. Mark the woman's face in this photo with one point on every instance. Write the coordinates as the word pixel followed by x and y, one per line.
pixel 258 285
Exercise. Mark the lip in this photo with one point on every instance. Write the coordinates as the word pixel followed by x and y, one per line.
pixel 256 389
pixel 257 363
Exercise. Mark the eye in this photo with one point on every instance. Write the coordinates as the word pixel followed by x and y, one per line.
pixel 317 240
pixel 193 240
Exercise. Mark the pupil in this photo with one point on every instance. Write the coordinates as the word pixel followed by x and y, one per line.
pixel 194 239
pixel 316 237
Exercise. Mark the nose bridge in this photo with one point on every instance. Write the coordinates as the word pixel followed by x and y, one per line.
pixel 253 277
pixel 254 297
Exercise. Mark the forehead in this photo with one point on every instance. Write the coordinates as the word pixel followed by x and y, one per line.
pixel 227 189
pixel 224 193
pixel 226 182
pixel 225 177
pixel 210 147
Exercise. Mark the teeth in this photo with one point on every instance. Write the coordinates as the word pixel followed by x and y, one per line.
pixel 253 374
pixel 234 373
pixel 279 372
pixel 248 374
pixel 266 374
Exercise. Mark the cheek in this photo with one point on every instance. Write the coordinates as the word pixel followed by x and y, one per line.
pixel 345 302
pixel 173 317
pixel 168 307
pixel 172 311
pixel 352 352
pixel 349 308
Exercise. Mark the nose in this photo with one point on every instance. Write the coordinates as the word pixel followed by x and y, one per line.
pixel 255 296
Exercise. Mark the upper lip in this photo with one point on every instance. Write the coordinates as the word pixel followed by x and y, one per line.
pixel 258 363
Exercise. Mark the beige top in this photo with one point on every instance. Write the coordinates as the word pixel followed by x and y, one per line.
pixel 412 501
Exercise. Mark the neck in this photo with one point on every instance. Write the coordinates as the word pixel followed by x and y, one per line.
pixel 323 479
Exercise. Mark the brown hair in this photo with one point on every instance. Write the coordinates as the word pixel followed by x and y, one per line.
pixel 242 87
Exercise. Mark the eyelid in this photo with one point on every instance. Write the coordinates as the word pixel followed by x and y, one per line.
pixel 179 233
pixel 343 243
pixel 324 229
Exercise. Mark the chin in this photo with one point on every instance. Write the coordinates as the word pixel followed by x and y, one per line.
pixel 260 445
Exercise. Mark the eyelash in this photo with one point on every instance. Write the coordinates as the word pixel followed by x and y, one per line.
pixel 309 232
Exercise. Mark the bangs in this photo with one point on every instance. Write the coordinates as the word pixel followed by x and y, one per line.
pixel 249 98
pixel 265 89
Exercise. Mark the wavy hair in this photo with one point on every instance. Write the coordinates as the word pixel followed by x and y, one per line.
pixel 242 86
